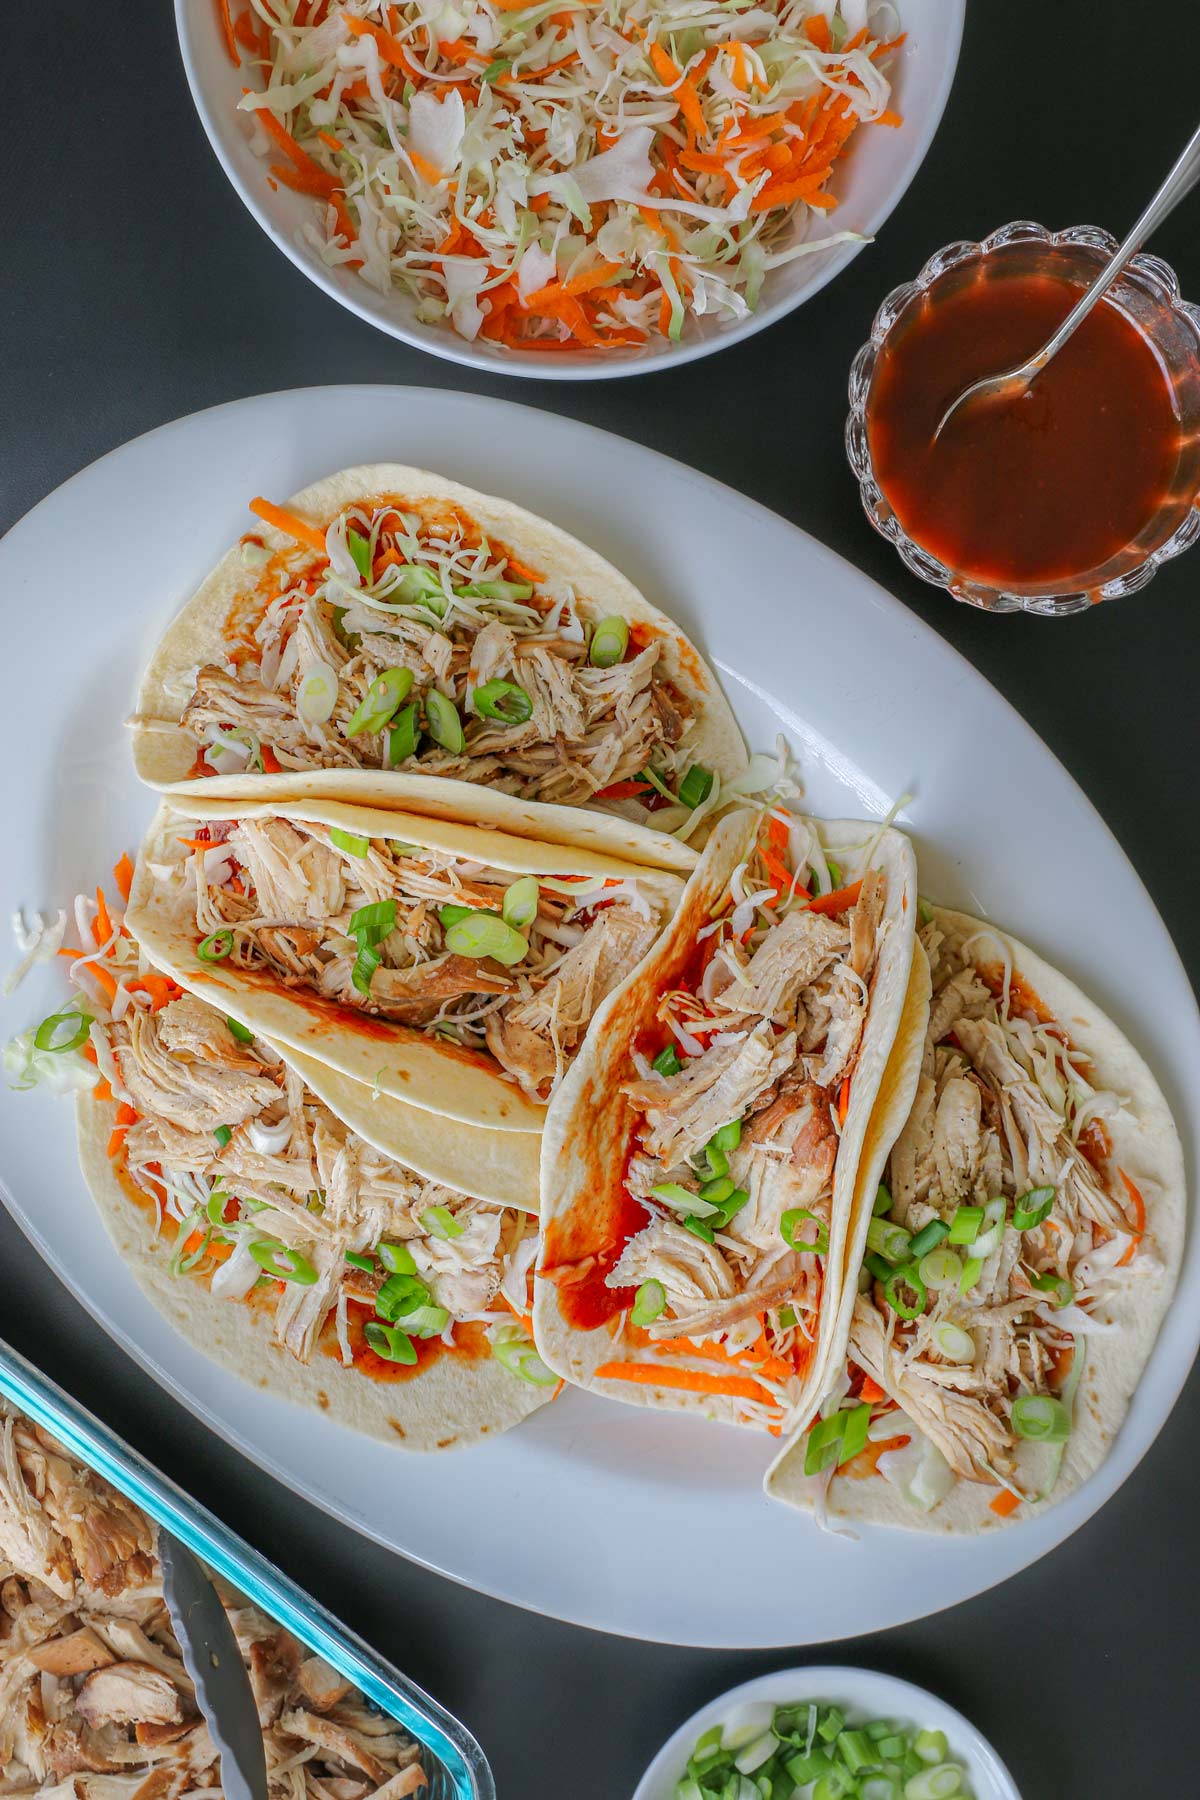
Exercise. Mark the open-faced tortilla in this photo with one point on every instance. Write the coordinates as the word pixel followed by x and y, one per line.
pixel 400 574
pixel 1043 1104
pixel 363 938
pixel 699 1162
pixel 267 1232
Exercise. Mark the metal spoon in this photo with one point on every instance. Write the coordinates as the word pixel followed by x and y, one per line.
pixel 1012 382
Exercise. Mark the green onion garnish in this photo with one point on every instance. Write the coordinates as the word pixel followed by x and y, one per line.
pixel 445 726
pixel 940 1269
pixel 449 915
pixel 699 1228
pixel 716 1160
pixel 222 1135
pixel 400 1295
pixel 964 1227
pixel 610 640
pixel 360 552
pixel 520 903
pixel 426 1321
pixel 397 1258
pixel 787 1317
pixel 934 1784
pixel 486 934
pixel 883 1201
pixel 831 1723
pixel 513 1350
pixel 931 1746
pixel 899 1284
pixel 1041 1419
pixel 728 1137
pixel 891 1242
pixel 371 924
pixel 349 841
pixel 358 1261
pixel 496 590
pixel 696 786
pixel 1031 1208
pixel 240 1031
pixel 792 1224
pixel 684 1200
pixel 401 739
pixel 667 1062
pixel 835 1440
pixel 392 1345
pixel 928 1238
pixel 955 1344
pixel 972 1270
pixel 503 700
pixel 282 1262
pixel 216 946
pixel 365 965
pixel 1057 1286
pixel 214 1208
pixel 857 1751
pixel 649 1301
pixel 440 1222
pixel 881 1270
pixel 46 1036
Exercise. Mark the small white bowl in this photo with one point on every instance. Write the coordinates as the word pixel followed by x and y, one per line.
pixel 863 1692
pixel 870 182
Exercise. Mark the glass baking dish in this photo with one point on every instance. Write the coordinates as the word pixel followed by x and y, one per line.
pixel 457 1767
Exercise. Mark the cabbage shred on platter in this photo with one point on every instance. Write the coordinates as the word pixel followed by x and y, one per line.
pixel 563 175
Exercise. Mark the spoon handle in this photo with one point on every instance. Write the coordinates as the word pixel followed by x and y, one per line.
pixel 1182 178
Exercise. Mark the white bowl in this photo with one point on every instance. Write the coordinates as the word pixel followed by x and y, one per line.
pixel 860 1693
pixel 869 182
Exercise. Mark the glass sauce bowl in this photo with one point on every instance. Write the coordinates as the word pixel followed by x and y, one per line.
pixel 1148 296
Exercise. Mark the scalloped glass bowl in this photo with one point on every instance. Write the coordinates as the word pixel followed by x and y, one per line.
pixel 1148 294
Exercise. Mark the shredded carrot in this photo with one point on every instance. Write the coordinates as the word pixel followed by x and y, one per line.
pixel 840 901
pixel 227 33
pixel 818 32
pixel 287 522
pixel 778 835
pixel 778 870
pixel 195 843
pixel 270 762
pixel 312 172
pixel 425 169
pixel 123 876
pixel 126 1116
pixel 334 143
pixel 525 1318
pixel 390 48
pixel 104 929
pixel 871 1391
pixel 102 1091
pixel 692 1381
pixel 843 1100
pixel 1139 1208
pixel 688 100
pixel 1005 1503
pixel 866 1463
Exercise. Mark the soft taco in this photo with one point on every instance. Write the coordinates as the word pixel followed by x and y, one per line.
pixel 699 1162
pixel 272 1234
pixel 388 626
pixel 1023 1252
pixel 453 968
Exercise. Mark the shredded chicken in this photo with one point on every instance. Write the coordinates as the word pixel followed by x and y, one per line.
pixel 94 1700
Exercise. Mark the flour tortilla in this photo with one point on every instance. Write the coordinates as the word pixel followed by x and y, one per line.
pixel 586 1140
pixel 454 1401
pixel 398 1060
pixel 1146 1145
pixel 164 758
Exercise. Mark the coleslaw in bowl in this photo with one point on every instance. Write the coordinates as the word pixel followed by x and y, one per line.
pixel 569 190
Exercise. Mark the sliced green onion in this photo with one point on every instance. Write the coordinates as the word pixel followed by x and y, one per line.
pixel 400 1295
pixel 684 1200
pixel 282 1262
pixel 883 1201
pixel 358 1261
pixel 1031 1208
pixel 649 1301
pixel 940 1269
pixel 241 1032
pixel 880 1787
pixel 787 1317
pixel 426 1321
pixel 955 1344
pixel 881 1270
pixel 716 1160
pixel 1057 1286
pixel 972 1270
pixel 513 1350
pixel 445 726
pixel 931 1746
pixel 718 1190
pixel 216 946
pixel 991 1232
pixel 837 1439
pixel 349 841
pixel 667 1062
pixel 401 740
pixel 792 1223
pixel 440 1222
pixel 497 590
pixel 728 1137
pixel 503 700
pixel 928 1238
pixel 46 1036
pixel 699 1228
pixel 520 904
pixel 214 1208
pixel 1041 1419
pixel 831 1722
pixel 486 934
pixel 733 1203
pixel 891 1242
pixel 893 1288
pixel 610 640
pixel 360 552
pixel 857 1751
pixel 415 586
pixel 696 786
pixel 222 1135
pixel 377 706
pixel 389 1343
pixel 398 1259
pixel 938 1783
pixel 182 1260
pixel 316 696
pixel 373 922
pixel 365 965
pixel 812 1765
pixel 964 1227
pixel 449 915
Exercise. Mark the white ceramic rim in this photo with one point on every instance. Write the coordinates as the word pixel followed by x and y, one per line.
pixel 193 14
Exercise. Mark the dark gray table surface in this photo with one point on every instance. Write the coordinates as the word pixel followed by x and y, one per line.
pixel 135 288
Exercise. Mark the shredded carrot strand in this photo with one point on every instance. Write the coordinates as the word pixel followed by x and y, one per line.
pixel 693 1381
pixel 1139 1208
pixel 840 901
pixel 287 522
pixel 227 33
pixel 123 876
pixel 1005 1503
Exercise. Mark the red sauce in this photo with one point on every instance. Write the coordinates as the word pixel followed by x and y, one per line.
pixel 470 1343
pixel 1042 489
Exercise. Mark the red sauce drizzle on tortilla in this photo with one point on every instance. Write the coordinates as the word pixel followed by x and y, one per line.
pixel 470 1344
